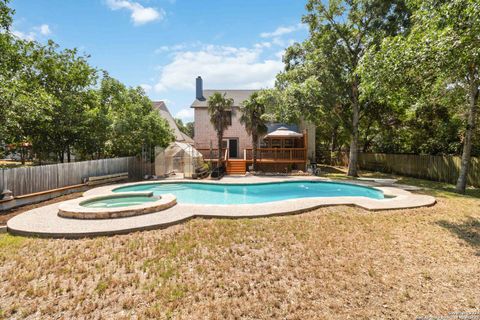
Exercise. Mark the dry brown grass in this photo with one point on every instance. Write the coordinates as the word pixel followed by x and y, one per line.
pixel 332 263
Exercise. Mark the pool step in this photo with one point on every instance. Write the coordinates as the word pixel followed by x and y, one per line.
pixel 236 167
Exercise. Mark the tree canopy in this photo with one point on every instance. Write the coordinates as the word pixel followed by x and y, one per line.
pixel 321 77
pixel 396 76
pixel 252 117
pixel 55 101
pixel 220 110
pixel 434 69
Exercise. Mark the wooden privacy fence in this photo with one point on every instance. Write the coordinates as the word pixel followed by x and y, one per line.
pixel 437 168
pixel 28 180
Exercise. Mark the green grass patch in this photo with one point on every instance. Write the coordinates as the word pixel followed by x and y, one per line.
pixel 102 286
pixel 9 242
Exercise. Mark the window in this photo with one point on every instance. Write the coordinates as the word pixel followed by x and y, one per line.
pixel 228 117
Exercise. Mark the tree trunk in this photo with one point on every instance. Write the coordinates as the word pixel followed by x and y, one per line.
pixel 467 143
pixel 220 139
pixel 254 150
pixel 22 155
pixel 353 161
pixel 333 144
pixel 366 141
pixel 69 154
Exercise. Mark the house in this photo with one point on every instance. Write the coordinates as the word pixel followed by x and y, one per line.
pixel 162 109
pixel 286 146
pixel 179 156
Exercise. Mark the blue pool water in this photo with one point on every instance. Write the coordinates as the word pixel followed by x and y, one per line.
pixel 115 202
pixel 207 193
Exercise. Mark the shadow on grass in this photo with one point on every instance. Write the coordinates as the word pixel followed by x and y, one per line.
pixel 433 188
pixel 440 188
pixel 468 231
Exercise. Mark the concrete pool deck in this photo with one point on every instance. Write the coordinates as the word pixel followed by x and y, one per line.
pixel 45 222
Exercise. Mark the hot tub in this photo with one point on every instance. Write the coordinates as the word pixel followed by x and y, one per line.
pixel 118 205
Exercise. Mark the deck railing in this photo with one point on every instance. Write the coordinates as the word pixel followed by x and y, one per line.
pixel 286 154
pixel 265 154
pixel 211 154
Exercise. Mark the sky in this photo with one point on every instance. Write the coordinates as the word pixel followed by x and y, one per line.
pixel 163 45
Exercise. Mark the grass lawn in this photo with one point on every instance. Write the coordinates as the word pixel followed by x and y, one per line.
pixel 331 263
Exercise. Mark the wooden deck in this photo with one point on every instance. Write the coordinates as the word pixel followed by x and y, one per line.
pixel 268 159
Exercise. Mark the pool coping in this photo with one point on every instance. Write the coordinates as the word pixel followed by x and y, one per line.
pixel 44 221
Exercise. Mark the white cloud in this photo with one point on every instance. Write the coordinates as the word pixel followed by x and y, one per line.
pixel 176 47
pixel 34 33
pixel 280 31
pixel 138 13
pixel 30 36
pixel 146 87
pixel 263 45
pixel 44 29
pixel 168 102
pixel 279 42
pixel 282 42
pixel 186 114
pixel 221 67
pixel 279 54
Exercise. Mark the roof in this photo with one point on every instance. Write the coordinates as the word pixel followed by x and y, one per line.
pixel 272 126
pixel 161 107
pixel 284 132
pixel 180 149
pixel 238 97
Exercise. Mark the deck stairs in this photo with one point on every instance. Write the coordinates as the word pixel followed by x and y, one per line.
pixel 236 167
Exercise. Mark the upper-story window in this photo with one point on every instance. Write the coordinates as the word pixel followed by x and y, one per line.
pixel 228 116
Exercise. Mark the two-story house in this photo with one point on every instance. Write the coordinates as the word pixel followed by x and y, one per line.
pixel 286 147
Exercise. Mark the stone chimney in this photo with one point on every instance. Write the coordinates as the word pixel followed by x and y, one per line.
pixel 199 89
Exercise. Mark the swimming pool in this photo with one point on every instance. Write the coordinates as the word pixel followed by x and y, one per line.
pixel 209 193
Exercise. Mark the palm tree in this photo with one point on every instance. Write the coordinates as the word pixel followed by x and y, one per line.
pixel 252 110
pixel 218 107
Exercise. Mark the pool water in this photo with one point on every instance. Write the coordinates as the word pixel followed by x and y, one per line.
pixel 115 202
pixel 208 193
